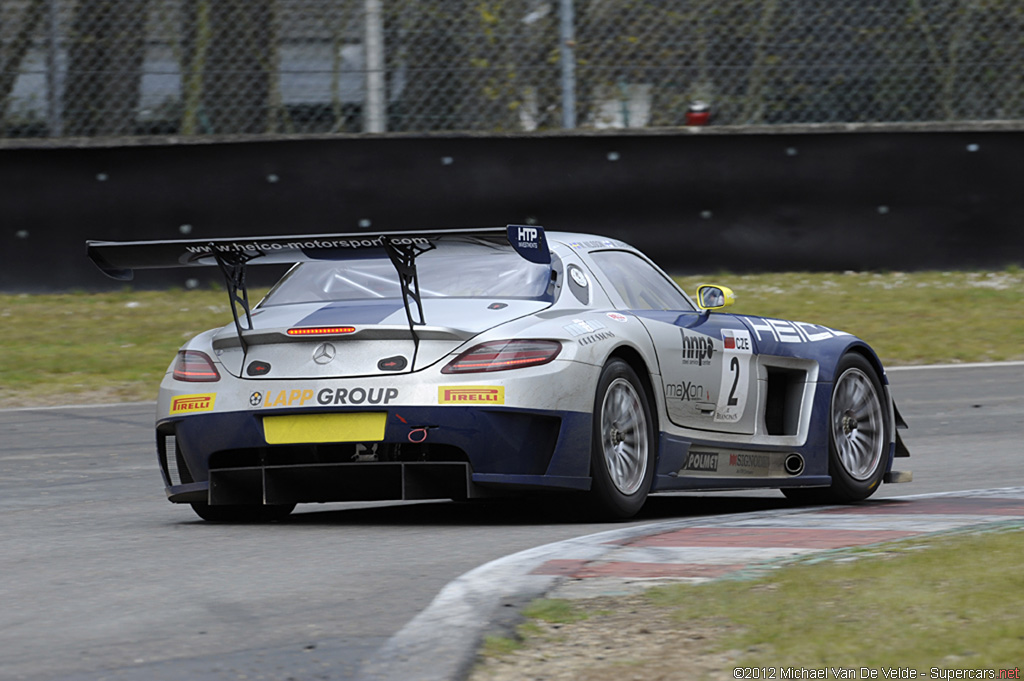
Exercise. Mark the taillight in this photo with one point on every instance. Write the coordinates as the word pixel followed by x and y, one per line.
pixel 502 355
pixel 195 367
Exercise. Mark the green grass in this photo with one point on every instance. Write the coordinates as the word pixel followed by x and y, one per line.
pixel 909 318
pixel 116 346
pixel 553 611
pixel 549 610
pixel 946 601
pixel 949 601
pixel 98 347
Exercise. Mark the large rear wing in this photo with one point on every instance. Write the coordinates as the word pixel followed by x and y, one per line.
pixel 120 259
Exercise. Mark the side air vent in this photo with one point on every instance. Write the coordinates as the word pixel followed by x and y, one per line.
pixel 785 394
pixel 171 447
pixel 171 461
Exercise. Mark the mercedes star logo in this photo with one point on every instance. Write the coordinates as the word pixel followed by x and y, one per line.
pixel 324 353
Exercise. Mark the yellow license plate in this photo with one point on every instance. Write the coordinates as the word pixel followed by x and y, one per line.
pixel 318 428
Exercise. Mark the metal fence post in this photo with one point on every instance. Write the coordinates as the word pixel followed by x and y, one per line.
pixel 567 53
pixel 54 115
pixel 375 104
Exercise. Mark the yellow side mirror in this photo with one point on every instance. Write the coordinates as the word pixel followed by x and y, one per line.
pixel 714 297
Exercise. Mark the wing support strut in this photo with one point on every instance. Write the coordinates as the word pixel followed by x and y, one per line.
pixel 403 257
pixel 120 259
pixel 232 266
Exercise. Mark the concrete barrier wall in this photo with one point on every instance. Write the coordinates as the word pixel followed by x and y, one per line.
pixel 696 200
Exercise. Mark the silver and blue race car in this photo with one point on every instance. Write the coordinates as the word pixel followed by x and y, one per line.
pixel 466 363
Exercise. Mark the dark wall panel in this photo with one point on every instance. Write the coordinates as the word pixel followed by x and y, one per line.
pixel 695 202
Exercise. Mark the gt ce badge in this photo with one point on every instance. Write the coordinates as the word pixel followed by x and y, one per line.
pixel 324 353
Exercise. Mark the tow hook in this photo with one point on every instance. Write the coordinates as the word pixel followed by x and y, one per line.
pixel 417 434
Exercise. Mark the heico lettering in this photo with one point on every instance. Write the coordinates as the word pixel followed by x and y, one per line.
pixel 782 331
pixel 697 349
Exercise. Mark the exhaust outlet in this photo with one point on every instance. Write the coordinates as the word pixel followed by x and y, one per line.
pixel 794 464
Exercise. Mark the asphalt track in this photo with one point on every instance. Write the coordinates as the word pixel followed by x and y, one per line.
pixel 101 578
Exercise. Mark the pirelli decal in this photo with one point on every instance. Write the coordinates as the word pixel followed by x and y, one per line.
pixel 192 404
pixel 471 394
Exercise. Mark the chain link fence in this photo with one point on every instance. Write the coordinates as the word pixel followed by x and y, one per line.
pixel 73 68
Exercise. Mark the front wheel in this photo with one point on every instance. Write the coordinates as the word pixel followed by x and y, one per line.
pixel 248 513
pixel 858 442
pixel 622 443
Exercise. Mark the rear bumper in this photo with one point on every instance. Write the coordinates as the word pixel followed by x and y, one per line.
pixel 467 452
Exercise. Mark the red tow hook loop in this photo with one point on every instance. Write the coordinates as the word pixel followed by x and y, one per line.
pixel 417 434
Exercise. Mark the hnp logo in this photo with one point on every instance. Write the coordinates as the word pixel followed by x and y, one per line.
pixel 697 348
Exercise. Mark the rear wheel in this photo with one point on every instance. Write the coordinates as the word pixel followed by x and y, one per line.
pixel 242 514
pixel 622 443
pixel 858 442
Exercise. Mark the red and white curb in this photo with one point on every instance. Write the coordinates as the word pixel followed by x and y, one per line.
pixel 440 643
pixel 725 546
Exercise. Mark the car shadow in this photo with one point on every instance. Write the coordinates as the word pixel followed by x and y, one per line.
pixel 525 511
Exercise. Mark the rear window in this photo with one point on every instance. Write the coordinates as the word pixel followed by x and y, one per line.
pixel 454 269
pixel 641 286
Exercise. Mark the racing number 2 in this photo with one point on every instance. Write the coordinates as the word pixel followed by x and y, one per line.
pixel 732 400
pixel 734 366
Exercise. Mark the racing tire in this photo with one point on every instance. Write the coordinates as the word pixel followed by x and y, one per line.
pixel 242 514
pixel 622 449
pixel 859 436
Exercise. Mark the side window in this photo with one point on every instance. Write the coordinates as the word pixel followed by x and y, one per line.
pixel 639 284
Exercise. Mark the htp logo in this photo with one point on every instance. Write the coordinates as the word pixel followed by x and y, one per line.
pixel 529 242
pixel 528 234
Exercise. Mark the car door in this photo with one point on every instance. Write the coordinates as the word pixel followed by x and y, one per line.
pixel 708 372
pixel 707 369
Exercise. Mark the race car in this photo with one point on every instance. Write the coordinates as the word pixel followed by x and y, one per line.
pixel 467 363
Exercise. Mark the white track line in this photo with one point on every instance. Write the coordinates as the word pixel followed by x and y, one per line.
pixel 82 406
pixel 971 365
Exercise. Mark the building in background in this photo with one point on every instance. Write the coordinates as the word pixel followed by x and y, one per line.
pixel 226 67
